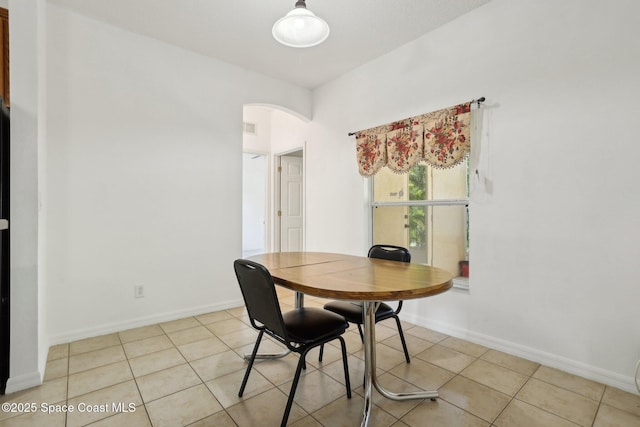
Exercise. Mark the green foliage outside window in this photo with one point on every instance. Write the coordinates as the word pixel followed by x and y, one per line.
pixel 417 214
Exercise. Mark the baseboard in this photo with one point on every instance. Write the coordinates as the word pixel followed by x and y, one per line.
pixel 24 381
pixel 581 369
pixel 110 328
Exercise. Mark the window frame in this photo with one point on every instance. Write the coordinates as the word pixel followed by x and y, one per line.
pixel 458 282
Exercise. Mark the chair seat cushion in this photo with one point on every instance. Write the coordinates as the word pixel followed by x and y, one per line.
pixel 310 324
pixel 352 311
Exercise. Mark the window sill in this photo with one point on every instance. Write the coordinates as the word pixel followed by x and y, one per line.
pixel 461 283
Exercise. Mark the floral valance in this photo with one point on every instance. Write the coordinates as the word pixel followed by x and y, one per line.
pixel 439 138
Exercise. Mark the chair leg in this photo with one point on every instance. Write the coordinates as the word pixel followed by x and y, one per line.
pixel 404 343
pixel 321 353
pixel 253 358
pixel 292 392
pixel 347 381
pixel 361 334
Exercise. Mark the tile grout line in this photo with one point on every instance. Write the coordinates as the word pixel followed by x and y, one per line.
pixel 531 377
pixel 240 316
pixel 457 374
pixel 143 404
pixel 512 398
pixel 273 386
pixel 595 416
pixel 202 381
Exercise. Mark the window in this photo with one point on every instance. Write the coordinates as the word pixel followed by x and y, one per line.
pixel 425 210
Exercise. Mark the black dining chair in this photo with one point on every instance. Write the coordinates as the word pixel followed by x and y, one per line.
pixel 353 311
pixel 299 330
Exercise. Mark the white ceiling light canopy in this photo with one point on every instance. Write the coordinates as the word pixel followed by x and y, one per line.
pixel 300 28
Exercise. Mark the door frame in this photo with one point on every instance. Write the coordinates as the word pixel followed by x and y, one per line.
pixel 277 157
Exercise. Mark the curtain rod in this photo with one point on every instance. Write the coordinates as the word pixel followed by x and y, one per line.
pixel 477 101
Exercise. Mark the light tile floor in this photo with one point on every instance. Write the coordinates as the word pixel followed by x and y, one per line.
pixel 188 371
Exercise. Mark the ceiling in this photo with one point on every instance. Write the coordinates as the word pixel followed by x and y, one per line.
pixel 239 31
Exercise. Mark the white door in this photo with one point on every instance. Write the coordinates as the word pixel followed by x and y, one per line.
pixel 291 220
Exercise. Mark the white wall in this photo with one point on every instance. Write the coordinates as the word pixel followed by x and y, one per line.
pixel 554 246
pixel 260 141
pixel 28 93
pixel 144 175
pixel 139 135
pixel 288 132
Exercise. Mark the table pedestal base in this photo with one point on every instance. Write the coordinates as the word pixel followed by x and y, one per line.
pixel 370 376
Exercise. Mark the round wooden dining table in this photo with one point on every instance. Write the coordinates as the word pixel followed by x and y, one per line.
pixel 355 278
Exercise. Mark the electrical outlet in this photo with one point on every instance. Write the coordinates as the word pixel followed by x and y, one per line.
pixel 138 291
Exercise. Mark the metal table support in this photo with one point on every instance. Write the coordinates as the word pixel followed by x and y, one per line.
pixel 370 377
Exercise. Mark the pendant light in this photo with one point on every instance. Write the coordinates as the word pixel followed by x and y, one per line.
pixel 300 28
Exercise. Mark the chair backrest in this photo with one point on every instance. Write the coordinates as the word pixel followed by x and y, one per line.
pixel 260 298
pixel 390 252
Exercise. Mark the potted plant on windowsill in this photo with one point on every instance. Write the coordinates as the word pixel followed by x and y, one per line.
pixel 464 268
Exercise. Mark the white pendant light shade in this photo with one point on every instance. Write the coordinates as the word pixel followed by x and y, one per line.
pixel 300 28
